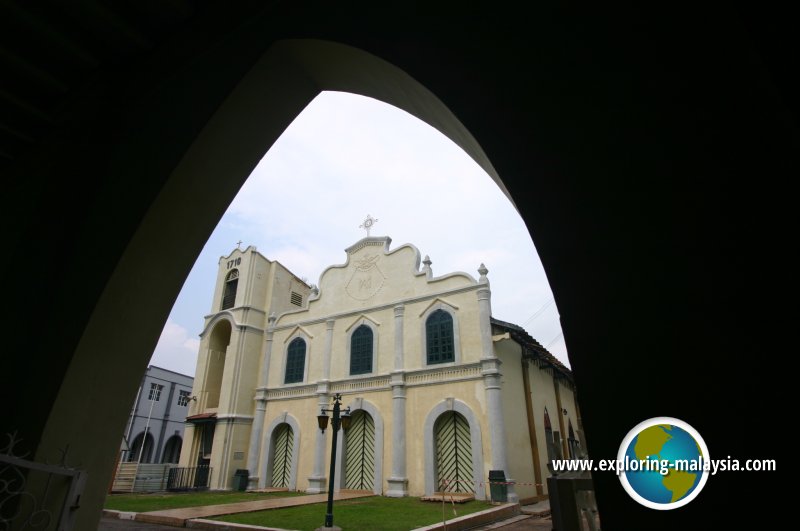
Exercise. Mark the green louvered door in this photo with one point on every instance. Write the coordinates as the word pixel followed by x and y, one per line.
pixel 359 467
pixel 453 453
pixel 282 462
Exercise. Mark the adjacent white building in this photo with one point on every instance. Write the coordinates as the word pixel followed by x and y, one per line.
pixel 154 432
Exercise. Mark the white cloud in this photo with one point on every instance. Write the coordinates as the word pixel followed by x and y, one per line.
pixel 176 350
pixel 347 156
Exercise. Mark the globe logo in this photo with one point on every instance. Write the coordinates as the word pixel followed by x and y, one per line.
pixel 663 463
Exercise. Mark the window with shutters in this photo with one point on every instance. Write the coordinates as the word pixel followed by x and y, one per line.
pixel 295 361
pixel 229 296
pixel 361 350
pixel 440 347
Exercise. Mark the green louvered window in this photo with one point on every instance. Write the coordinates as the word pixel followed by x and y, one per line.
pixel 359 467
pixel 439 334
pixel 361 350
pixel 453 453
pixel 295 361
pixel 282 462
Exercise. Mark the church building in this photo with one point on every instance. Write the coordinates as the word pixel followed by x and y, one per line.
pixel 441 394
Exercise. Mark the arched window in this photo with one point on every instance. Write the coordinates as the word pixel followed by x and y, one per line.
pixel 548 436
pixel 572 442
pixel 361 350
pixel 439 335
pixel 139 454
pixel 295 361
pixel 229 296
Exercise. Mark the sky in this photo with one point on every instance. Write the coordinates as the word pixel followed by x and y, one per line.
pixel 343 158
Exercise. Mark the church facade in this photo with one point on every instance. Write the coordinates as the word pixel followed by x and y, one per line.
pixel 440 394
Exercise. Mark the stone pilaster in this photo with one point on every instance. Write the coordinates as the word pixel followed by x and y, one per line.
pixel 398 481
pixel 490 368
pixel 261 409
pixel 326 354
pixel 318 483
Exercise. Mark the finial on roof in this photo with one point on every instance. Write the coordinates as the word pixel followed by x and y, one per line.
pixel 427 267
pixel 483 271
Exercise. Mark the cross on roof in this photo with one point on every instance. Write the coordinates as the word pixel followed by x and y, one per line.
pixel 368 223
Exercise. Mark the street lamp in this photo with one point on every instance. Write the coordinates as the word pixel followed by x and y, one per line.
pixel 342 420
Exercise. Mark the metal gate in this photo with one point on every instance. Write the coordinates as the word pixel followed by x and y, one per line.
pixel 359 467
pixel 453 453
pixel 282 462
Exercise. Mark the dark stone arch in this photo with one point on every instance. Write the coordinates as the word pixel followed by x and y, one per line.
pixel 658 164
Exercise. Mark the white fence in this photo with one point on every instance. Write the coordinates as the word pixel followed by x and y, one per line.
pixel 140 477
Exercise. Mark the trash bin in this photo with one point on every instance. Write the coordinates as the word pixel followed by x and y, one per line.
pixel 497 486
pixel 240 479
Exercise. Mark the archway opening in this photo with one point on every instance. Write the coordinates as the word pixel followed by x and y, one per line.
pixel 217 348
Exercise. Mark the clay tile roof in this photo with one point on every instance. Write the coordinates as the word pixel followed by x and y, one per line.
pixel 202 417
pixel 531 347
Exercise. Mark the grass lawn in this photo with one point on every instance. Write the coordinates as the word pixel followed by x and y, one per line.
pixel 142 502
pixel 376 513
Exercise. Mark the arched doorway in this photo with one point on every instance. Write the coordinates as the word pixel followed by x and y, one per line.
pixel 453 453
pixel 359 463
pixel 283 446
pixel 277 458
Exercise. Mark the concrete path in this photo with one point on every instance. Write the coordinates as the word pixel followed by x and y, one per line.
pixel 109 523
pixel 178 517
pixel 534 516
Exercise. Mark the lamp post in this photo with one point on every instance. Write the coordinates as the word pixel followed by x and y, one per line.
pixel 340 418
